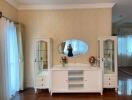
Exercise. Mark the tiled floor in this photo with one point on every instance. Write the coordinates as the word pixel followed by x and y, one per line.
pixel 124 93
pixel 124 84
pixel 127 70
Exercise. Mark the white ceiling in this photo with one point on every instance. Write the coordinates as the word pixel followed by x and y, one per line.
pixel 121 11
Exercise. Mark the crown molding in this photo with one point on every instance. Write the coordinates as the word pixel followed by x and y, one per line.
pixel 13 3
pixel 63 6
pixel 66 6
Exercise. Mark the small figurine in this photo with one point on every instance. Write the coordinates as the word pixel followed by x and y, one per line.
pixel 70 54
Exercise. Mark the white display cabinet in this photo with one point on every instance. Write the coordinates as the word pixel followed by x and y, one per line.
pixel 42 63
pixel 107 60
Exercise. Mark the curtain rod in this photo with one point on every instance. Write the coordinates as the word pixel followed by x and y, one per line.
pixel 7 18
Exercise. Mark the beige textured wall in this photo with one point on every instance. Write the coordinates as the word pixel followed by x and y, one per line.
pixel 83 24
pixel 8 10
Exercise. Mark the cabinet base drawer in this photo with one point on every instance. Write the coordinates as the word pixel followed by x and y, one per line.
pixel 109 84
pixel 41 85
pixel 110 78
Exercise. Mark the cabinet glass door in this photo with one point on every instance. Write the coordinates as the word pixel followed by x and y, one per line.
pixel 41 55
pixel 108 56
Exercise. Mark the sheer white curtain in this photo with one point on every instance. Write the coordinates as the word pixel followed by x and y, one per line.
pixel 124 49
pixel 9 60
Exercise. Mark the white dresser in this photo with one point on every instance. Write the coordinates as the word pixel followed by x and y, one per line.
pixel 76 78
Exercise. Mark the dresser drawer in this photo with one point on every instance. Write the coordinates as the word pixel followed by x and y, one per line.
pixel 112 75
pixel 42 78
pixel 111 78
pixel 109 83
pixel 39 79
pixel 40 84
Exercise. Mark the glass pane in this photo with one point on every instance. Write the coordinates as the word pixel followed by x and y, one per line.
pixel 108 56
pixel 42 55
pixel 98 63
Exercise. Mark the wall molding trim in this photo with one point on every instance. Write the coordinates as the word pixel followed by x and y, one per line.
pixel 69 6
pixel 63 6
pixel 13 3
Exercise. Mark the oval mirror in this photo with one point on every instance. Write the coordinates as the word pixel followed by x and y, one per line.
pixel 73 47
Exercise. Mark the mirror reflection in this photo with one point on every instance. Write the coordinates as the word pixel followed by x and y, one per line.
pixel 73 47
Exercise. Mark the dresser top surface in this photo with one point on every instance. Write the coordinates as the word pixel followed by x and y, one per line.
pixel 76 66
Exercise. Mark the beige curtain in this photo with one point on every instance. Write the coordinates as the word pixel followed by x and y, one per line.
pixel 20 31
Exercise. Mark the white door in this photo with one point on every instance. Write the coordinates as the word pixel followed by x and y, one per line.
pixel 93 80
pixel 59 81
pixel 107 54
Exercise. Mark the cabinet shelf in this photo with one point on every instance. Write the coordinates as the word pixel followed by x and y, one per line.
pixel 75 86
pixel 109 49
pixel 40 61
pixel 77 76
pixel 41 50
pixel 75 82
pixel 74 72
pixel 75 79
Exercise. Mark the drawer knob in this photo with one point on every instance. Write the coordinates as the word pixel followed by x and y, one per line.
pixel 42 84
pixel 109 78
pixel 109 83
